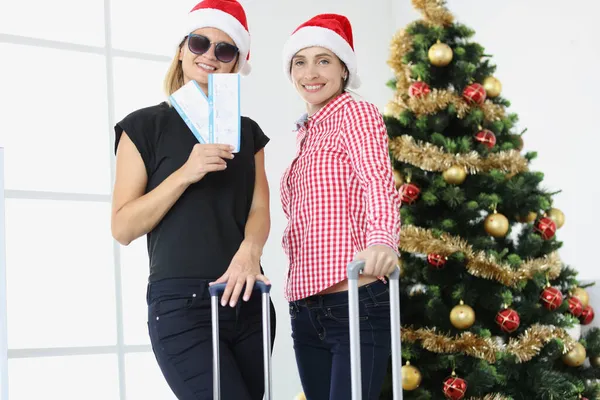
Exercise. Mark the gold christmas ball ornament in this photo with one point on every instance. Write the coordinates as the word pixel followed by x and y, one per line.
pixel 440 54
pixel 557 216
pixel 582 295
pixel 455 175
pixel 595 361
pixel 527 219
pixel 496 225
pixel 462 316
pixel 411 377
pixel 398 179
pixel 575 357
pixel 300 396
pixel 492 86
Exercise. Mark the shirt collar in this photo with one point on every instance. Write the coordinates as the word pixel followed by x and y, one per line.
pixel 326 111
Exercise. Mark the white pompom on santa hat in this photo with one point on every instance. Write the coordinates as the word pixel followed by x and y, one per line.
pixel 226 15
pixel 331 31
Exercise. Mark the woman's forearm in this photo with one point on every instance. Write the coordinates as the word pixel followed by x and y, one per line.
pixel 257 230
pixel 138 217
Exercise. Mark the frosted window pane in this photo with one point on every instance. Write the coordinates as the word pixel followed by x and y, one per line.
pixel 134 272
pixel 60 274
pixel 55 134
pixel 138 84
pixel 157 32
pixel 73 21
pixel 93 377
pixel 144 379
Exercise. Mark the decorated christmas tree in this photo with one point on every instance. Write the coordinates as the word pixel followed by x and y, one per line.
pixel 489 310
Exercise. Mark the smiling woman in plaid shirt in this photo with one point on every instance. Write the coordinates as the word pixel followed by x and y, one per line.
pixel 341 203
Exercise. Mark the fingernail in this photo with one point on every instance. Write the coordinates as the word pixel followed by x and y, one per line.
pixel 223 303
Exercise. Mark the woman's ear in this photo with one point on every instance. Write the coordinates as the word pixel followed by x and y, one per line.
pixel 181 49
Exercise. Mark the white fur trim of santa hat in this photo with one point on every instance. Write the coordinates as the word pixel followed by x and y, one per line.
pixel 225 15
pixel 309 35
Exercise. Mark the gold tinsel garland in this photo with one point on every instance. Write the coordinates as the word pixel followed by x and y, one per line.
pixel 434 12
pixel 428 157
pixel 533 339
pixel 418 240
pixel 495 396
pixel 438 100
pixel 524 348
pixel 467 343
pixel 401 44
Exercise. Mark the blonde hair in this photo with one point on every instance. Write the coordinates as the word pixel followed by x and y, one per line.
pixel 174 79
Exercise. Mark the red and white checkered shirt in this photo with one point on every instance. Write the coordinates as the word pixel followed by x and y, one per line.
pixel 338 195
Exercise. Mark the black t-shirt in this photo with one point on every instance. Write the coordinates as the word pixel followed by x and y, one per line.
pixel 201 233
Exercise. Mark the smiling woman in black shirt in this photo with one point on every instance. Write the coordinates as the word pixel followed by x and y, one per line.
pixel 205 212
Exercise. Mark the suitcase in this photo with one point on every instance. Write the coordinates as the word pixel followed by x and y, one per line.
pixel 354 270
pixel 215 291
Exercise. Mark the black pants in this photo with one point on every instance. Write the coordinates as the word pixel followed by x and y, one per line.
pixel 322 342
pixel 179 323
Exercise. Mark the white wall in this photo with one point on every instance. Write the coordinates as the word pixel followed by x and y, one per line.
pixel 269 98
pixel 547 55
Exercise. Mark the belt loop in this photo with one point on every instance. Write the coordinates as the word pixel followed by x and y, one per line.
pixel 372 295
pixel 148 287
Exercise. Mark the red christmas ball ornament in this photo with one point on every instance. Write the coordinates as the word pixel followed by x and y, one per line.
pixel 552 298
pixel 546 228
pixel 436 260
pixel 587 315
pixel 575 306
pixel 455 388
pixel 474 93
pixel 486 137
pixel 418 89
pixel 409 193
pixel 508 320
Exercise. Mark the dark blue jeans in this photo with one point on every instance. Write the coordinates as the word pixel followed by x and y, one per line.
pixel 322 342
pixel 179 323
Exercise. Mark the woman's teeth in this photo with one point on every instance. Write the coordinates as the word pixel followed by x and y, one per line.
pixel 206 67
pixel 313 87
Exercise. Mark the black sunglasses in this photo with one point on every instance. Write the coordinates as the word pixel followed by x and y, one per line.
pixel 200 44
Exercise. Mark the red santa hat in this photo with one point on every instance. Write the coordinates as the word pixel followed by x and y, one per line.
pixel 228 16
pixel 331 31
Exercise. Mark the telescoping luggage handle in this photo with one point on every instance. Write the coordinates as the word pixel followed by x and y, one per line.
pixel 215 291
pixel 354 270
